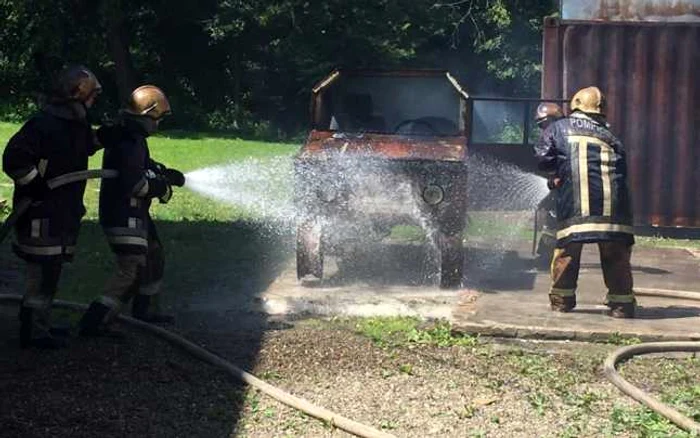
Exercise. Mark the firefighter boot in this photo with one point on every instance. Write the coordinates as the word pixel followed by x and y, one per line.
pixel 562 304
pixel 621 310
pixel 92 322
pixel 26 340
pixel 139 310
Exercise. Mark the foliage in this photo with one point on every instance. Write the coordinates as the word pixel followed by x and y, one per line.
pixel 188 152
pixel 248 66
pixel 399 331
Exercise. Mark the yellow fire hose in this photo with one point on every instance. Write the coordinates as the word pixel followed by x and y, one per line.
pixel 329 417
pixel 625 353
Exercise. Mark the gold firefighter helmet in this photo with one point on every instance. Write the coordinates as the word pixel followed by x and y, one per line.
pixel 149 101
pixel 77 83
pixel 548 112
pixel 589 100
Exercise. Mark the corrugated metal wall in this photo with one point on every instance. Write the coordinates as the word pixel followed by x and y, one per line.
pixel 651 76
pixel 631 10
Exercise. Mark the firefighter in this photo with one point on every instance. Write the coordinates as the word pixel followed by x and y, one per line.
pixel 124 213
pixel 55 141
pixel 588 164
pixel 547 113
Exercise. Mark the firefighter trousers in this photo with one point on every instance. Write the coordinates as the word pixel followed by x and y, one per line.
pixel 614 260
pixel 41 285
pixel 136 274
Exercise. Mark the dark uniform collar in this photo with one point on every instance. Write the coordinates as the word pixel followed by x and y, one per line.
pixel 144 126
pixel 593 118
pixel 71 110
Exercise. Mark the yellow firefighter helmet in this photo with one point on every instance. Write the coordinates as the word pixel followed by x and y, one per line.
pixel 589 100
pixel 77 83
pixel 547 112
pixel 149 101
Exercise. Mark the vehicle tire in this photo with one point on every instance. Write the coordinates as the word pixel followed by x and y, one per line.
pixel 309 249
pixel 451 260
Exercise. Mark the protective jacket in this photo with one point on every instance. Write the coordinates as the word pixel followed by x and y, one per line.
pixel 55 141
pixel 593 201
pixel 125 200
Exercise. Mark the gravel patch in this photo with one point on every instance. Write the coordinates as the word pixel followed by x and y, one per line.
pixel 144 387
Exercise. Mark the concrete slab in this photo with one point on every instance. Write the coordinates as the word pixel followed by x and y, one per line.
pixel 524 312
pixel 504 294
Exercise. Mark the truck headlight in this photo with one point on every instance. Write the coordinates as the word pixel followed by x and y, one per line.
pixel 433 195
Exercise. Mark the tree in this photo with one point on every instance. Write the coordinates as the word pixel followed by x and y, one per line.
pixel 246 64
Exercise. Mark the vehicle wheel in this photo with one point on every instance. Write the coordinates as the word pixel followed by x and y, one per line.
pixel 451 261
pixel 309 250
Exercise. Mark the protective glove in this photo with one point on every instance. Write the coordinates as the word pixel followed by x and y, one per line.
pixel 157 167
pixel 174 177
pixel 165 197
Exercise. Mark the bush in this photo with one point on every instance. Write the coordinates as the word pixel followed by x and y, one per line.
pixel 17 111
pixel 233 118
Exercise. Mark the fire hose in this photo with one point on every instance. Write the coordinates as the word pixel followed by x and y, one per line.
pixel 329 417
pixel 67 178
pixel 361 430
pixel 346 424
pixel 625 353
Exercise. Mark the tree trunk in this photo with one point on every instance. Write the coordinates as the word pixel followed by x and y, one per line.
pixel 118 43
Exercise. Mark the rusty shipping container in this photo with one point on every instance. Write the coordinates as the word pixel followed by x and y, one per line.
pixel 650 72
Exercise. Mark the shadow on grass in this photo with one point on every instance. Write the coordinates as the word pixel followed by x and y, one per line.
pixel 214 270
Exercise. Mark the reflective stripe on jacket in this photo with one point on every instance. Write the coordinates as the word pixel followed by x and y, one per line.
pixel 593 200
pixel 125 200
pixel 55 141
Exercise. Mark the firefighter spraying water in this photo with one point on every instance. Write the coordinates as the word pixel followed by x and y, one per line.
pixel 124 214
pixel 545 213
pixel 587 166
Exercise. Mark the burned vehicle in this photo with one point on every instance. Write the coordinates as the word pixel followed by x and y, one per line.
pixel 386 148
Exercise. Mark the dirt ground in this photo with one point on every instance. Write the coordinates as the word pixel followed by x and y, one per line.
pixel 414 387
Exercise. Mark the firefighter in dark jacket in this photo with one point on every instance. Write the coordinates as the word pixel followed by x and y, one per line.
pixel 55 141
pixel 547 113
pixel 124 213
pixel 593 202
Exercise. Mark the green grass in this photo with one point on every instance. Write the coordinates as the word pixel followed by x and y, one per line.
pixel 568 381
pixel 208 244
pixel 402 331
pixel 200 233
pixel 185 154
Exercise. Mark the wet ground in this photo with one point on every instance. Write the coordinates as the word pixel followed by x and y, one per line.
pixel 143 387
pixel 504 294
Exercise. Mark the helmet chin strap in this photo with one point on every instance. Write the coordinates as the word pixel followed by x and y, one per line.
pixel 147 124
